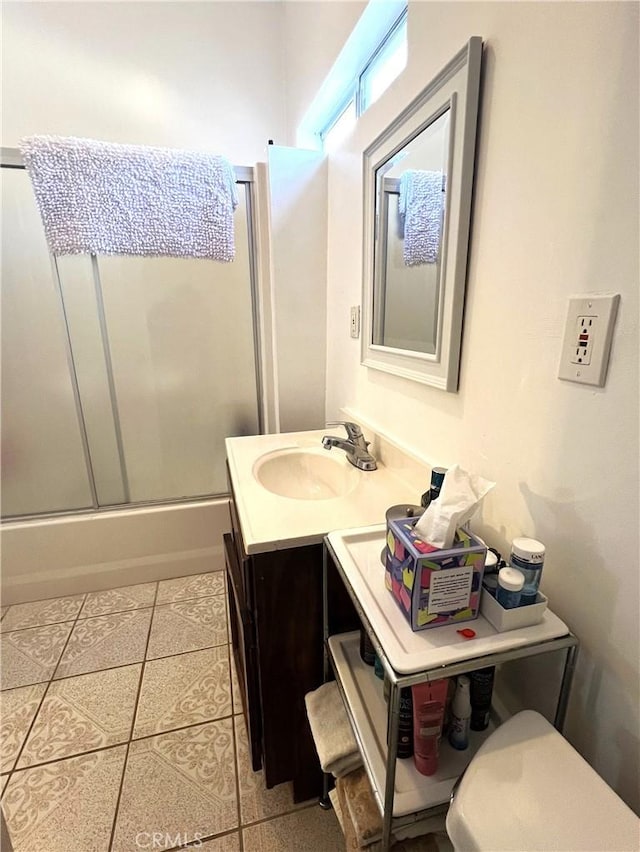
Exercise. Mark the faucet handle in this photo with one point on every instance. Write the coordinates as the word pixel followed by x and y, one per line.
pixel 353 430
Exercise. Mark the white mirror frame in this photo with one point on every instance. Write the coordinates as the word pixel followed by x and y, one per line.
pixel 455 88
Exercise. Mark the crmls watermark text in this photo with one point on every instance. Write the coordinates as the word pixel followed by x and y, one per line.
pixel 167 840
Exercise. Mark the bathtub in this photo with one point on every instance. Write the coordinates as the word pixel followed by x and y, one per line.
pixel 91 552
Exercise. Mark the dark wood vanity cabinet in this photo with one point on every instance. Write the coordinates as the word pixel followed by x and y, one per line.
pixel 275 603
pixel 244 649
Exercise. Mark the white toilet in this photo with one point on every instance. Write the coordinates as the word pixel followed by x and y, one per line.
pixel 527 789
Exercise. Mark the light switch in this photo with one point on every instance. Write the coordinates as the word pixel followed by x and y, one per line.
pixel 587 339
pixel 355 321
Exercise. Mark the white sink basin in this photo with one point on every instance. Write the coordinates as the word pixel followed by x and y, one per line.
pixel 289 491
pixel 305 474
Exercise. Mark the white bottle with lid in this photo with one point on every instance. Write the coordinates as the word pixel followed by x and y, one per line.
pixel 510 583
pixel 460 714
pixel 527 555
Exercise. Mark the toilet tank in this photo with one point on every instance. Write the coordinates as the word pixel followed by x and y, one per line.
pixel 528 789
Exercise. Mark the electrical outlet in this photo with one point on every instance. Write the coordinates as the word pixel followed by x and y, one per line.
pixel 586 329
pixel 355 321
pixel 587 339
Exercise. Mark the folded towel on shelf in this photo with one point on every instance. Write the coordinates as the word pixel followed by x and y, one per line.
pixel 335 803
pixel 105 198
pixel 421 205
pixel 360 813
pixel 361 821
pixel 331 730
pixel 346 824
pixel 345 765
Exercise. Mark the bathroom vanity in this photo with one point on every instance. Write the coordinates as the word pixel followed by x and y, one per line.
pixel 274 615
pixel 286 493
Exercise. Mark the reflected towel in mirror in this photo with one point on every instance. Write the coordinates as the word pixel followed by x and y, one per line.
pixel 105 198
pixel 420 205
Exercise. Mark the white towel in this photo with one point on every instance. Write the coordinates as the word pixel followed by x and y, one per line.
pixel 420 204
pixel 103 198
pixel 331 730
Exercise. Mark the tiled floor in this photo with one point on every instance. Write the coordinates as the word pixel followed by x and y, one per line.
pixel 121 729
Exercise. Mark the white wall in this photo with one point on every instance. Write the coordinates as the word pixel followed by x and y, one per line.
pixel 298 246
pixel 555 213
pixel 150 73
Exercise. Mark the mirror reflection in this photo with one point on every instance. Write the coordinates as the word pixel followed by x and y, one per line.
pixel 418 185
pixel 408 257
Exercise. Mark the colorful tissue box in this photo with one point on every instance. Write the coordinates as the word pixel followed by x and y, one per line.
pixel 433 587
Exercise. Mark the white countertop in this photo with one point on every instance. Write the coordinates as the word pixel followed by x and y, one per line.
pixel 272 522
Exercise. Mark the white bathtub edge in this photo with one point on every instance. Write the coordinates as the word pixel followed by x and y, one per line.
pixel 90 553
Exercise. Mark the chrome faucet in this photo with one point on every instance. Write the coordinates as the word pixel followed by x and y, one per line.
pixel 354 445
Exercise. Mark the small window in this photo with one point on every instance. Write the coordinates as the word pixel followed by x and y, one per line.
pixel 367 79
pixel 344 122
pixel 388 61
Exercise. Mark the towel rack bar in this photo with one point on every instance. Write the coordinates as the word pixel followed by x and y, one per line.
pixel 12 158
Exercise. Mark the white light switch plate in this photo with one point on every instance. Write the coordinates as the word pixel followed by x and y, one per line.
pixel 587 339
pixel 355 321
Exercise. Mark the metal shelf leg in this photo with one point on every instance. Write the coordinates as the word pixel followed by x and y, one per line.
pixel 325 801
pixel 392 751
pixel 565 686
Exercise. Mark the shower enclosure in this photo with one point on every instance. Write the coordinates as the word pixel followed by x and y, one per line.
pixel 121 376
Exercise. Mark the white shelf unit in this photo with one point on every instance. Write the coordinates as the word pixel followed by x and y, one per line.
pixel 402 793
pixel 364 699
pixel 358 553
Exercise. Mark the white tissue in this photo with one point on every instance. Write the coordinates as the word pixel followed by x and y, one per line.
pixel 460 496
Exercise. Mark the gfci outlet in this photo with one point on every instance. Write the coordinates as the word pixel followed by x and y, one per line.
pixel 587 339
pixel 585 331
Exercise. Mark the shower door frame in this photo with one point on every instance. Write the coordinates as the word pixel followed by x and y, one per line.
pixel 11 158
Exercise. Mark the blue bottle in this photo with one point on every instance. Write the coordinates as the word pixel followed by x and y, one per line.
pixel 437 478
pixel 377 667
pixel 509 591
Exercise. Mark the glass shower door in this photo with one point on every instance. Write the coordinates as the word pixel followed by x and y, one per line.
pixel 122 376
pixel 44 455
pixel 183 362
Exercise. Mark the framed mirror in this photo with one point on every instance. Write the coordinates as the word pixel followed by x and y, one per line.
pixel 418 183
